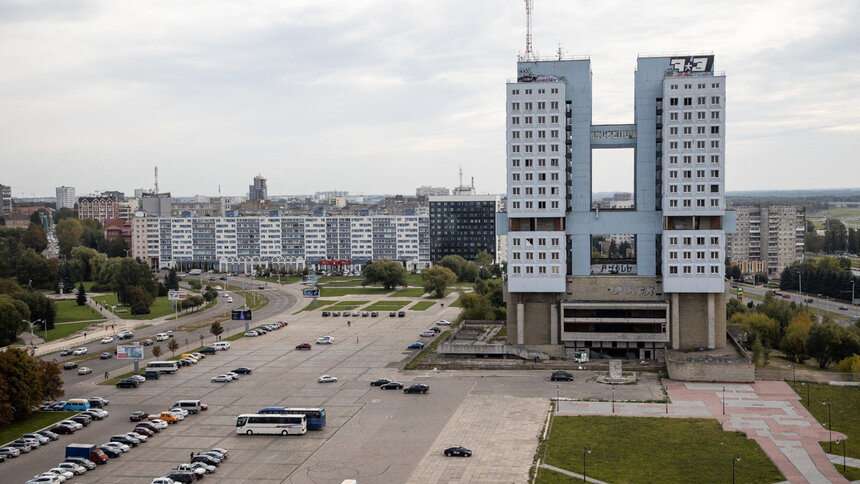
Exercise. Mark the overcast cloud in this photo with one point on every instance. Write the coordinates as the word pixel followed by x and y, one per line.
pixel 384 96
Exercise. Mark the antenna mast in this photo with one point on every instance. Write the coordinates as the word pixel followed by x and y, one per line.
pixel 529 55
pixel 156 180
pixel 461 177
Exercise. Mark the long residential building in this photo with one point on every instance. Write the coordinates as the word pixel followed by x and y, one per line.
pixel 244 244
pixel 770 234
pixel 568 284
pixel 463 225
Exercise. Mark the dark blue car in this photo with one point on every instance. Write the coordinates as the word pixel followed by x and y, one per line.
pixel 415 346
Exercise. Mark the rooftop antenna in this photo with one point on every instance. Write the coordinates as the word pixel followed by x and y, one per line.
pixel 529 55
pixel 156 179
pixel 461 177
pixel 559 52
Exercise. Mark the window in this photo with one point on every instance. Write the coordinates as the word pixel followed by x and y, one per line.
pixel 515 176
pixel 554 176
pixel 715 100
pixel 528 106
pixel 553 105
pixel 541 105
pixel 673 160
pixel 688 101
pixel 541 119
pixel 541 204
pixel 673 203
pixel 554 119
pixel 541 148
pixel 528 176
pixel 541 91
pixel 715 269
pixel 700 100
pixel 715 202
pixel 541 269
pixel 528 120
pixel 673 87
pixel 715 255
pixel 688 116
pixel 700 130
pixel 673 145
pixel 715 130
pixel 687 204
pixel 515 120
pixel 700 255
pixel 687 270
pixel 673 101
pixel 700 188
pixel 687 159
pixel 688 145
pixel 530 270
pixel 515 106
pixel 554 133
pixel 555 256
pixel 673 130
pixel 515 135
pixel 515 163
pixel 529 148
pixel 673 116
pixel 700 145
pixel 715 158
pixel 688 173
pixel 715 240
pixel 686 188
pixel 700 269
pixel 553 161
pixel 516 255
pixel 688 240
pixel 715 144
pixel 715 173
pixel 700 173
pixel 715 115
pixel 688 130
pixel 516 269
pixel 673 188
pixel 700 115
pixel 515 92
pixel 528 134
pixel 673 255
pixel 516 190
pixel 672 240
pixel 715 85
pixel 516 241
pixel 673 269
pixel 528 162
pixel 554 90
pixel 673 174
pixel 715 189
pixel 517 205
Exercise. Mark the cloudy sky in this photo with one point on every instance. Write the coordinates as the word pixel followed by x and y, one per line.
pixel 384 96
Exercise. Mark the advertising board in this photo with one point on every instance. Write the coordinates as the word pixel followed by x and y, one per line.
pixel 129 352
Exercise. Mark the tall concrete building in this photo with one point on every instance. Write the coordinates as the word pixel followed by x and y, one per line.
pixel 155 204
pixel 565 287
pixel 771 234
pixel 66 197
pixel 5 200
pixel 463 225
pixel 258 190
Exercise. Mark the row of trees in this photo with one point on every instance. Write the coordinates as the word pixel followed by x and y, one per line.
pixel 837 238
pixel 17 305
pixel 777 324
pixel 827 276
pixel 25 382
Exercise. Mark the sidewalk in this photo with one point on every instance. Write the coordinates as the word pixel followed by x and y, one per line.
pixel 768 412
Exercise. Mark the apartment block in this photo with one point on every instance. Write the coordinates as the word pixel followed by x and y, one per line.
pixel 463 225
pixel 771 234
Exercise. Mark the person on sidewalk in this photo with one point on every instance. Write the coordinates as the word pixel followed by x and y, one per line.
pixel 348 324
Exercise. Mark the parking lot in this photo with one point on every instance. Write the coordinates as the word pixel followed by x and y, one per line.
pixel 372 435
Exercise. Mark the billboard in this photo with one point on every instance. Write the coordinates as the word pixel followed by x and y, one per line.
pixel 313 292
pixel 241 315
pixel 179 295
pixel 129 352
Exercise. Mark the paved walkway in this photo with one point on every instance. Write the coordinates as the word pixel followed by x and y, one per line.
pixel 769 412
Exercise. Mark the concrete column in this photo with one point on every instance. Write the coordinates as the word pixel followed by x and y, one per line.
pixel 521 319
pixel 553 324
pixel 712 321
pixel 675 323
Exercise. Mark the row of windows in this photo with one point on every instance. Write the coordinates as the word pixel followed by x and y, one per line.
pixel 531 205
pixel 700 255
pixel 540 190
pixel 531 119
pixel 688 159
pixel 700 269
pixel 530 148
pixel 553 133
pixel 540 269
pixel 689 130
pixel 688 174
pixel 516 92
pixel 700 203
pixel 531 255
pixel 529 162
pixel 541 241
pixel 688 188
pixel 688 101
pixel 528 106
pixel 688 241
pixel 688 116
pixel 688 145
pixel 531 176
pixel 701 85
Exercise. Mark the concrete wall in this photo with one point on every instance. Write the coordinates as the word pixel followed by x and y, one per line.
pixel 536 312
pixel 693 320
pixel 708 370
pixel 614 288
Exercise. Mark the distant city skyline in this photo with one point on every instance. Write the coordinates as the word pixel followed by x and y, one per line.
pixel 372 97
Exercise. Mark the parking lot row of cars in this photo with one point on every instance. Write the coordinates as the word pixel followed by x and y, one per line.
pixel 265 329
pixel 363 314
pixel 386 384
pixel 198 466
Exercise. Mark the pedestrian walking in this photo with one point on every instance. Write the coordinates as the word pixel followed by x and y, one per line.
pixel 348 324
pixel 192 456
pixel 356 339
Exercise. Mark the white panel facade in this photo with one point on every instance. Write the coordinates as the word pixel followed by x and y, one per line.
pixel 361 237
pixel 693 261
pixel 225 237
pixel 536 261
pixel 270 237
pixel 407 238
pixel 315 238
pixel 536 149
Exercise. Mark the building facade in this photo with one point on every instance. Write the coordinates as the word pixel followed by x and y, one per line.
pixel 258 191
pixel 463 225
pixel 66 197
pixel 99 208
pixel 428 191
pixel 155 204
pixel 244 244
pixel 5 200
pixel 771 234
pixel 667 290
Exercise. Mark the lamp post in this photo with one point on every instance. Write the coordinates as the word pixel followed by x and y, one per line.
pixel 585 453
pixel 724 400
pixel 735 458
pixel 829 424
pixel 843 452
pixel 613 399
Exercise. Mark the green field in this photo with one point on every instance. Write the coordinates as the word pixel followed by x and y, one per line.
pixel 284 279
pixel 410 292
pixel 350 283
pixel 422 305
pixel 346 305
pixel 386 305
pixel 658 450
pixel 160 307
pixel 62 330
pixel 68 311
pixel 844 410
pixel 37 421
pixel 320 304
pixel 344 291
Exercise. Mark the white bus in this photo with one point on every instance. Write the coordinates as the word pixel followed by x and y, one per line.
pixel 162 366
pixel 283 424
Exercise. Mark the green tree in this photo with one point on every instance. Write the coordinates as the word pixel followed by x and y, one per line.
pixel 93 234
pixel 733 307
pixel 86 264
pixel 34 269
pixel 41 308
pixel 757 325
pixel 35 238
pixel 64 278
pixel 850 364
pixel 124 273
pixel 20 382
pixel 64 213
pixel 48 374
pixel 216 329
pixel 835 236
pixel 11 249
pixel 172 345
pixel 437 279
pixel 386 271
pixel 156 351
pixel 69 232
pixel 171 281
pixel 757 351
pixel 139 299
pixel 116 247
pixel 12 315
pixel 210 293
pixel 794 342
pixel 828 342
pixel 81 297
pixel 476 307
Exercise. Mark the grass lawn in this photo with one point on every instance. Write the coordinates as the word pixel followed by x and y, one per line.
pixel 422 305
pixel 284 279
pixel 62 330
pixel 664 450
pixel 351 283
pixel 37 421
pixel 456 304
pixel 320 304
pixel 386 305
pixel 844 410
pixel 160 307
pixel 343 291
pixel 68 311
pixel 410 292
pixel 346 305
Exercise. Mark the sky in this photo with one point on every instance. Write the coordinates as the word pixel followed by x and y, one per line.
pixel 379 97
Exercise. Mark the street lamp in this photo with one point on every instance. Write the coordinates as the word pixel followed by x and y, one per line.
pixel 613 399
pixel 843 452
pixel 585 453
pixel 736 458
pixel 803 383
pixel 829 424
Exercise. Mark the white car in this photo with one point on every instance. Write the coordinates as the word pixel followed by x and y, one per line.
pixel 251 334
pixel 80 351
pixel 190 361
pixel 221 378
pixel 206 467
pixel 218 288
pixel 442 322
pixel 62 472
pixel 119 445
pixel 101 413
pixel 135 435
pixel 325 340
pixel 72 467
pixel 179 410
pixel 58 477
pixel 188 467
pixel 163 480
pixel 326 379
pixel 45 479
pixel 74 424
pixel 232 375
pixel 427 334
pixel 198 355
pixel 107 340
pixel 176 413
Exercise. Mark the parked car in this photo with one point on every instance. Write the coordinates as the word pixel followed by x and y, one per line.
pixel 325 340
pixel 206 459
pixel 379 382
pixel 392 385
pixel 48 434
pixel 70 365
pixel 118 446
pixel 88 464
pixel 335 314
pixel 843 308
pixel 208 350
pixel 98 402
pixel 10 451
pixel 457 451
pixel 303 346
pixel 326 379
pixel 150 425
pixel 66 352
pixel 417 388
pixel 251 334
pixel 427 334
pixel 561 376
pixel 148 342
pixel 401 314
pixel 182 476
pixel 138 416
pixel 112 452
pixel 346 314
pixel 80 351
pixel 374 314
pixel 326 314
pixel 415 346
pixel 221 379
pixel 125 439
pixel 63 429
pixel 242 370
pixel 143 431
pixel 84 370
pixel 107 340
pixel 105 356
pixel 75 469
pixel 392 314
pixel 150 375
pixel 127 383
pixel 41 438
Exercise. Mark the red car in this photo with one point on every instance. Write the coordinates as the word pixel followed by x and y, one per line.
pixel 303 346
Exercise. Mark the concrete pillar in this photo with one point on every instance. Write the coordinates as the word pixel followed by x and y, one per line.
pixel 521 319
pixel 553 324
pixel 675 323
pixel 712 321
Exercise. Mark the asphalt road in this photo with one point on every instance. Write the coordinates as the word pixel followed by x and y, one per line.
pixel 820 303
